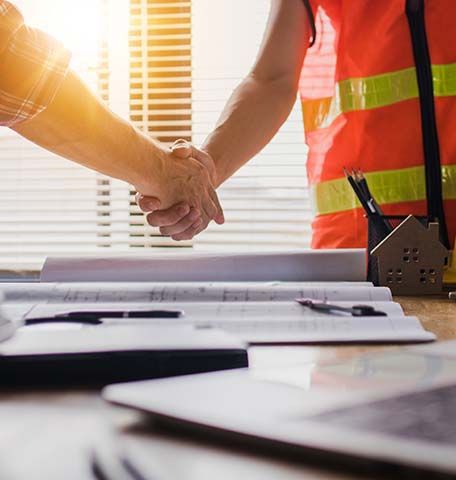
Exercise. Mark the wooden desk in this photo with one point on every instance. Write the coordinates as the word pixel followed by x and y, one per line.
pixel 48 434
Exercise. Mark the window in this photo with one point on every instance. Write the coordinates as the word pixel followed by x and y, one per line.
pixel 168 65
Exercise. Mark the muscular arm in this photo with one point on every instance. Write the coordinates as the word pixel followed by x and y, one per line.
pixel 263 101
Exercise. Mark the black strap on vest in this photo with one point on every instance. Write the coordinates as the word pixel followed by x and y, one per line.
pixel 312 21
pixel 433 169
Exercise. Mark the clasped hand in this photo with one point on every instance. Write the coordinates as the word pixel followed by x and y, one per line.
pixel 186 202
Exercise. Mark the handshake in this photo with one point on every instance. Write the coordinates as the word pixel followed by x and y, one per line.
pixel 181 198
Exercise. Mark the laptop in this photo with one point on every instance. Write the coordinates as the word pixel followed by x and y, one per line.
pixel 391 412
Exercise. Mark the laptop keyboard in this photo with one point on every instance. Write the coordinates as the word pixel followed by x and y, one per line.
pixel 426 416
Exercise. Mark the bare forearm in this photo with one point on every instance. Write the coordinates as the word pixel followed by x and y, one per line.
pixel 257 108
pixel 79 127
pixel 263 101
pixel 251 118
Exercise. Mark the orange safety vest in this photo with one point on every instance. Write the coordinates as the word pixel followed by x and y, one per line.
pixel 378 91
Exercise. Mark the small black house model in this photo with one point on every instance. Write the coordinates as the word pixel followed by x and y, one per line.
pixel 411 259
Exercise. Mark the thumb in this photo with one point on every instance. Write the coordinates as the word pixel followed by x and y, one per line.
pixel 205 159
pixel 181 148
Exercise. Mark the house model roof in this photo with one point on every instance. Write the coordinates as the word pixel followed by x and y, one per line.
pixel 409 231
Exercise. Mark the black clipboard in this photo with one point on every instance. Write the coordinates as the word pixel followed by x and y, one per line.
pixel 115 353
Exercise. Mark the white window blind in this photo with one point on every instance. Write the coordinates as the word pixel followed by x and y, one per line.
pixel 160 86
pixel 169 66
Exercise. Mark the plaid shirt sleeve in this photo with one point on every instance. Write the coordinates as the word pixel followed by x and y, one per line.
pixel 32 67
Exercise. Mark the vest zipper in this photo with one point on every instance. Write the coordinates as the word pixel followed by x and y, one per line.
pixel 433 169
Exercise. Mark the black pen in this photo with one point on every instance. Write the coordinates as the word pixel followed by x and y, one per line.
pixel 355 310
pixel 95 317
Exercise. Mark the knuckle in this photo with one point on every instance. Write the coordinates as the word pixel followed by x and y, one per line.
pixel 179 210
pixel 187 224
pixel 201 170
pixel 170 218
pixel 153 220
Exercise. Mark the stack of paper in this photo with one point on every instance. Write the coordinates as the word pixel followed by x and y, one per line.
pixel 253 296
pixel 255 314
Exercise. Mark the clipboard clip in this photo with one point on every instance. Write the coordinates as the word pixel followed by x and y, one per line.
pixel 354 311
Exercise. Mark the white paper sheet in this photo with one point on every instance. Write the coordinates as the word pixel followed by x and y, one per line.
pixel 277 322
pixel 119 338
pixel 329 329
pixel 260 322
pixel 17 311
pixel 254 322
pixel 302 265
pixel 210 311
pixel 94 292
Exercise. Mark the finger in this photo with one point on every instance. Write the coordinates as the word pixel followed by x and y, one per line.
pixel 195 230
pixel 190 232
pixel 181 148
pixel 219 217
pixel 147 204
pixel 170 216
pixel 182 224
pixel 209 210
pixel 201 156
pixel 200 229
pixel 205 222
pixel 205 159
